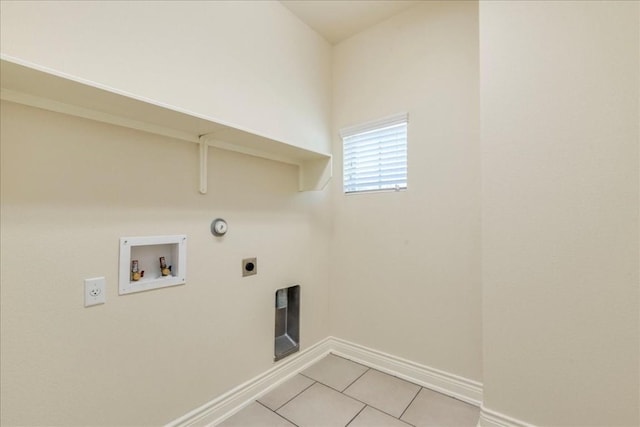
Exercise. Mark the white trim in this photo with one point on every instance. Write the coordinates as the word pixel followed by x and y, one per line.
pixel 216 143
pixel 490 418
pixel 99 116
pixel 449 384
pixel 226 405
pixel 383 122
pixel 33 85
pixel 204 162
pixel 56 74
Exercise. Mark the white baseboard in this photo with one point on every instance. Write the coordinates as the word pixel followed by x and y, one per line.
pixel 490 418
pixel 451 385
pixel 221 408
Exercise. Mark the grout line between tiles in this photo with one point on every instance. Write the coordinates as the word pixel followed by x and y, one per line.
pixel 356 399
pixel 407 423
pixel 342 392
pixel 286 419
pixel 301 391
pixel 356 415
pixel 300 373
pixel 377 409
pixel 420 387
pixel 327 385
pixel 397 377
pixel 353 382
pixel 405 409
pixel 382 372
pixel 349 360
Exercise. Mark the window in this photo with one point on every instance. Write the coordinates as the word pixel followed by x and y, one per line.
pixel 375 155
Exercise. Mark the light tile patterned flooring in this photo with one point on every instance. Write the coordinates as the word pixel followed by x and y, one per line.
pixel 339 392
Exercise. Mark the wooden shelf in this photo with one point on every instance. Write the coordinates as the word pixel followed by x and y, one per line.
pixel 35 86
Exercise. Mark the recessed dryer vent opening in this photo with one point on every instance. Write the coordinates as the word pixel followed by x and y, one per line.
pixel 287 328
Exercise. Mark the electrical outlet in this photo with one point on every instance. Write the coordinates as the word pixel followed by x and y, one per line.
pixel 94 291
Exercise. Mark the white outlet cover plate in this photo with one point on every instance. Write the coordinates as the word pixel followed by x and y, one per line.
pixel 94 291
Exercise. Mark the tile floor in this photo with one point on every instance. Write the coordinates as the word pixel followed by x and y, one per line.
pixel 339 392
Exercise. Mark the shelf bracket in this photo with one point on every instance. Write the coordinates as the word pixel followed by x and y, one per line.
pixel 204 155
pixel 36 86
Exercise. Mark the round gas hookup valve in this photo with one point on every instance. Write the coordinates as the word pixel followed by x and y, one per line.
pixel 219 227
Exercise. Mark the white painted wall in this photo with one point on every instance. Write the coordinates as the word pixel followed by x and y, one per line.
pixel 250 64
pixel 406 266
pixel 559 88
pixel 71 188
pixel 560 138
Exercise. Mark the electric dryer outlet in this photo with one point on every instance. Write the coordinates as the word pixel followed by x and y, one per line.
pixel 249 267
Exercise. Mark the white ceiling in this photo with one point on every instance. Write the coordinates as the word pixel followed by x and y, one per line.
pixel 337 20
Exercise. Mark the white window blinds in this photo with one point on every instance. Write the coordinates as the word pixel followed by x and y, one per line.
pixel 375 155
